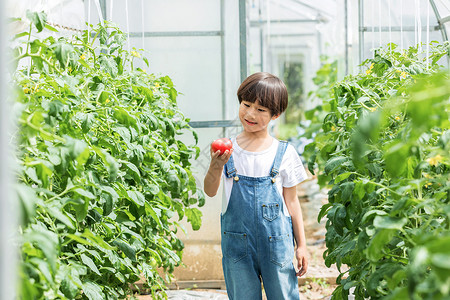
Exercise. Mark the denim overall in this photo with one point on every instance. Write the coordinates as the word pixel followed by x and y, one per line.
pixel 257 238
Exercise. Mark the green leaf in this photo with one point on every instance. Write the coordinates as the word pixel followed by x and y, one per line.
pixel 179 207
pixel 382 237
pixel 68 285
pixel 62 51
pixel 76 147
pixel 359 190
pixel 195 137
pixel 119 63
pixel 124 133
pixel 388 222
pixel 81 209
pixel 194 216
pixel 84 193
pixel 38 19
pixel 342 177
pixel 42 266
pixel 124 117
pixel 108 65
pixel 61 216
pixel 395 158
pixel 323 211
pixel 77 238
pixel 155 213
pixel 108 204
pixel 382 273
pixel 346 191
pixel 90 263
pixel 173 181
pixel 93 291
pixel 103 35
pixel 153 189
pixel 135 174
pixel 339 218
pixel 47 242
pixel 110 191
pixel 27 197
pixel 97 240
pixel 136 197
pixel 333 163
pixel 129 251
pixel 87 122
pixel 441 260
pixel 175 257
pixel 44 172
pixel 83 158
pixel 370 213
pixel 51 28
pixel 19 35
pixel 201 198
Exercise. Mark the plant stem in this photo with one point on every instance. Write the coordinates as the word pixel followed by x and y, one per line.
pixel 29 38
pixel 42 131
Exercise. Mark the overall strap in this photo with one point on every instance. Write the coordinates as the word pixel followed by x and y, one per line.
pixel 282 146
pixel 229 169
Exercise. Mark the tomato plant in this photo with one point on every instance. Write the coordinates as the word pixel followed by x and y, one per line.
pixel 383 150
pixel 222 145
pixel 102 172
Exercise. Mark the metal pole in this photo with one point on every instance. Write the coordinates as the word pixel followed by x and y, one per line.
pixel 261 40
pixel 319 43
pixel 361 33
pixel 8 214
pixel 282 21
pixel 346 36
pixel 243 38
pixel 442 27
pixel 103 8
pixel 397 28
pixel 223 63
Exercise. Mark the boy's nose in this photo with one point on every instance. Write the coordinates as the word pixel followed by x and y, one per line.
pixel 251 112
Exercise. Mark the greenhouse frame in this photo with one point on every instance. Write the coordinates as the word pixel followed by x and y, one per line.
pixel 194 55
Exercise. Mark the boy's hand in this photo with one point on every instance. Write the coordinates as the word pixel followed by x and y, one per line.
pixel 212 177
pixel 217 160
pixel 302 261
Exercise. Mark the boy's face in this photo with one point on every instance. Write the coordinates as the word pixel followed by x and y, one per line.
pixel 254 117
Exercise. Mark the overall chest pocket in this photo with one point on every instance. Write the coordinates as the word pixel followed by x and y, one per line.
pixel 234 245
pixel 271 211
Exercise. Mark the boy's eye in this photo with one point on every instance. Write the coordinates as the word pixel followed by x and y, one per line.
pixel 246 105
pixel 261 110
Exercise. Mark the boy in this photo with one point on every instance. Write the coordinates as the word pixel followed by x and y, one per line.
pixel 261 215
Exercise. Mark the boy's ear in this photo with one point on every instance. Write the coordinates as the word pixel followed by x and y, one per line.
pixel 274 117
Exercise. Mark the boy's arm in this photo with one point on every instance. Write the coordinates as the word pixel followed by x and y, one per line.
pixel 293 206
pixel 212 179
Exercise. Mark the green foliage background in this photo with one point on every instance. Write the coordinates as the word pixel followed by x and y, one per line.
pixel 102 173
pixel 382 144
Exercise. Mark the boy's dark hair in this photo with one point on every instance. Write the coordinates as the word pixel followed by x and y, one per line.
pixel 267 89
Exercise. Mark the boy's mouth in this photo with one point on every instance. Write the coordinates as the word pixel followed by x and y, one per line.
pixel 250 123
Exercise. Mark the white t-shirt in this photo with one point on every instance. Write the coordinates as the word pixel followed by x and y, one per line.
pixel 259 164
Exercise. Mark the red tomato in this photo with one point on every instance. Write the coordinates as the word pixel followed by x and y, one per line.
pixel 222 145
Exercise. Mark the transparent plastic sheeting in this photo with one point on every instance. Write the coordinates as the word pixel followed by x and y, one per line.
pixel 295 31
pixel 174 15
pixel 403 22
pixel 292 31
pixel 194 65
pixel 67 16
pixel 188 41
